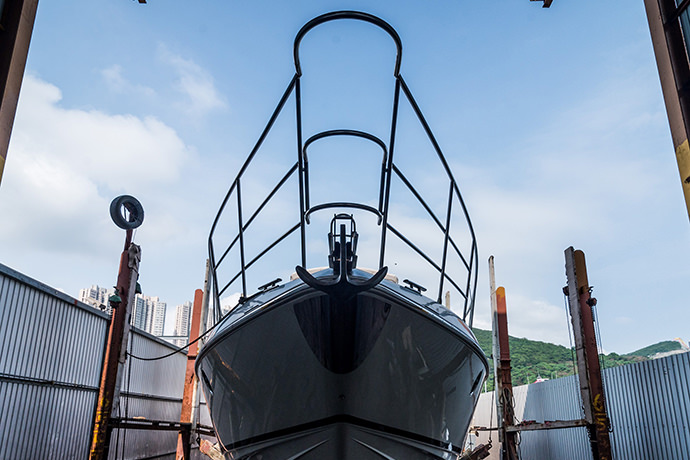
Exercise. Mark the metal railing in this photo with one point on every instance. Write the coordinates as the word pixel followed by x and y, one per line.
pixel 237 282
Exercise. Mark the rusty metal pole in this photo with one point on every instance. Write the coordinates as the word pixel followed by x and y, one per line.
pixel 509 450
pixel 503 382
pixel 184 438
pixel 128 214
pixel 203 327
pixel 116 348
pixel 495 347
pixel 591 382
pixel 571 291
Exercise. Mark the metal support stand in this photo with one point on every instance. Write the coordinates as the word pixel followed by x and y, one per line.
pixel 203 327
pixel 115 355
pixel 190 380
pixel 128 214
pixel 503 383
pixel 591 382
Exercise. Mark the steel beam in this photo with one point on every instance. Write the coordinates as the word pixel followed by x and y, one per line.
pixel 547 425
pixel 16 25
pixel 674 74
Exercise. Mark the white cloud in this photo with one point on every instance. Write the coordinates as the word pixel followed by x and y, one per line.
pixel 65 165
pixel 592 177
pixel 537 320
pixel 230 302
pixel 113 77
pixel 195 84
pixel 48 202
pixel 116 81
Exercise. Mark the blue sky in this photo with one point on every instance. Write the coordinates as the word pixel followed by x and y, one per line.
pixel 552 120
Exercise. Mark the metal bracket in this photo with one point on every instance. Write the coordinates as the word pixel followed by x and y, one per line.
pixel 412 286
pixel 269 285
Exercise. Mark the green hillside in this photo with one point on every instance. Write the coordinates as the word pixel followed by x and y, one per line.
pixel 532 359
pixel 661 347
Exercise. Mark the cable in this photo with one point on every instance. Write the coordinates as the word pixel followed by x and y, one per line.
pixel 178 349
pixel 570 334
pixel 597 332
pixel 600 350
pixel 117 437
pixel 129 380
pixel 516 420
pixel 491 416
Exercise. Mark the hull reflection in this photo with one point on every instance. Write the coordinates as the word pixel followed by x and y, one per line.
pixel 295 373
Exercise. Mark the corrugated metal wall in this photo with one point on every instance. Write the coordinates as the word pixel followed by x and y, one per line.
pixel 51 354
pixel 650 408
pixel 51 348
pixel 648 403
pixel 154 391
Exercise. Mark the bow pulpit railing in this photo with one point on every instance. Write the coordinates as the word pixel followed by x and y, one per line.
pixel 451 266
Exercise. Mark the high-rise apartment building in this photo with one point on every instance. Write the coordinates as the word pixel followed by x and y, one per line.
pixel 139 312
pixel 156 322
pixel 182 315
pixel 97 297
pixel 147 313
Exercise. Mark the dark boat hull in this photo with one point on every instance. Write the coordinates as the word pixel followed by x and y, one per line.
pixel 298 374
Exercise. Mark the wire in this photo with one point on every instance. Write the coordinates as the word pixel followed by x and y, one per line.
pixel 129 380
pixel 491 417
pixel 600 350
pixel 117 437
pixel 570 334
pixel 516 420
pixel 178 349
pixel 597 332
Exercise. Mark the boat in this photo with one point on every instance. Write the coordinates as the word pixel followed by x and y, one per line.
pixel 341 362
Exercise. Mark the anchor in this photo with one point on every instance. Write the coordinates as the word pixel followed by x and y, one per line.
pixel 342 259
